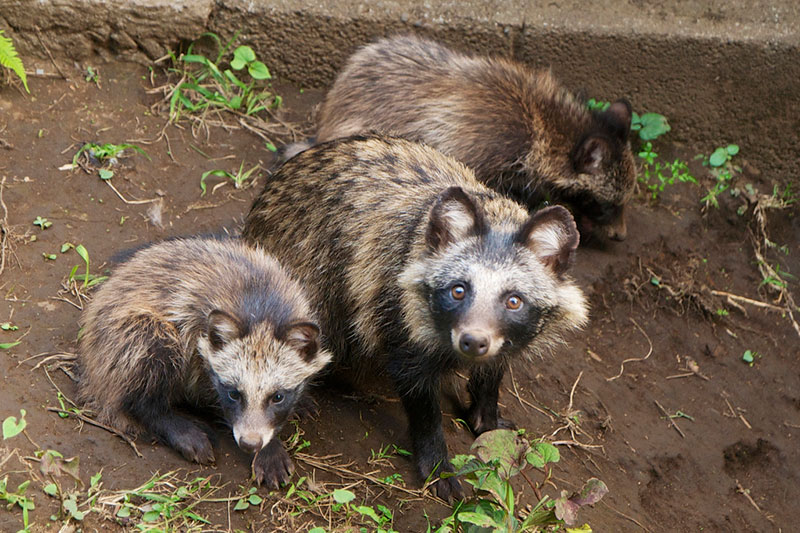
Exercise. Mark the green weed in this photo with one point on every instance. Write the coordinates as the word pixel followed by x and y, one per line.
pixel 656 175
pixel 722 170
pixel 650 126
pixel 499 456
pixel 89 280
pixel 98 155
pixel 19 499
pixel 239 178
pixel 206 85
pixel 43 223
pixel 11 60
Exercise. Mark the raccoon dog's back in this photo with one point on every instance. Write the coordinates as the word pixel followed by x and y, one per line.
pixel 520 130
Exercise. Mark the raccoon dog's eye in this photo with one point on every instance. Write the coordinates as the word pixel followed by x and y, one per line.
pixel 458 292
pixel 235 395
pixel 513 302
pixel 277 398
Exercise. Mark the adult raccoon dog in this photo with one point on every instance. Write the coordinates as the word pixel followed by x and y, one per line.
pixel 416 263
pixel 520 131
pixel 201 322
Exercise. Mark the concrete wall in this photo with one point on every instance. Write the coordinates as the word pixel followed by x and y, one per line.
pixel 720 71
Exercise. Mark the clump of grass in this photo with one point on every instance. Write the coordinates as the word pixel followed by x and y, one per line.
pixel 239 178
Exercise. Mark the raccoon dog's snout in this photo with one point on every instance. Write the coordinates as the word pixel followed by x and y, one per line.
pixel 474 343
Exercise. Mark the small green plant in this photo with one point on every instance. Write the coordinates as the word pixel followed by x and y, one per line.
pixel 164 503
pixel 250 498
pixel 206 85
pixel 9 59
pixel 43 223
pixel 89 280
pixel 597 105
pixel 92 76
pixel 101 154
pixel 13 427
pixel 499 456
pixel 238 179
pixel 722 170
pixel 19 499
pixel 8 326
pixel 650 126
pixel 778 279
pixel 750 356
pixel 654 173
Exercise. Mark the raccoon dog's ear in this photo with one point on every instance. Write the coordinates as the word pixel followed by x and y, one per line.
pixel 590 153
pixel 618 119
pixel 302 336
pixel 454 216
pixel 223 328
pixel 552 235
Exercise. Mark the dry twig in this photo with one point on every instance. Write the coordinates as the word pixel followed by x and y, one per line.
pixel 649 352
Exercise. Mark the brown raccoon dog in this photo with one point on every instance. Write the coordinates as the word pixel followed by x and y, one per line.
pixel 421 268
pixel 520 131
pixel 201 322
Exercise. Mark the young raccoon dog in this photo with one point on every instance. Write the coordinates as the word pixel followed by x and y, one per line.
pixel 520 131
pixel 201 322
pixel 421 268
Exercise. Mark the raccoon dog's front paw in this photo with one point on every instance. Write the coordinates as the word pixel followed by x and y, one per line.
pixel 272 465
pixel 449 489
pixel 193 443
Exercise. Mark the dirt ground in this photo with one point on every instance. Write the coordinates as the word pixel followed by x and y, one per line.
pixel 731 464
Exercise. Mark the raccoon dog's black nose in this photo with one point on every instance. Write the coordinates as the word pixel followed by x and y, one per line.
pixel 473 345
pixel 250 446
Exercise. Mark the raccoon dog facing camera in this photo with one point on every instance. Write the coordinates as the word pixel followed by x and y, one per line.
pixel 419 266
pixel 200 322
pixel 521 131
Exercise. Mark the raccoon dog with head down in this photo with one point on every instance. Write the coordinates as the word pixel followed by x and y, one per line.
pixel 520 131
pixel 200 322
pixel 418 265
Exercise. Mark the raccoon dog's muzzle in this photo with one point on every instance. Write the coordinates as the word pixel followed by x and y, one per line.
pixel 475 343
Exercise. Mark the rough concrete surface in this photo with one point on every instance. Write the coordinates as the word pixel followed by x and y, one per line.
pixel 721 71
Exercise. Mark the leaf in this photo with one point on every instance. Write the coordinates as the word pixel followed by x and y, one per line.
pixel 317 530
pixel 241 505
pixel 7 345
pixel 271 147
pixel 478 519
pixel 106 174
pixel 567 508
pixel 151 516
pixel 216 173
pixel 732 149
pixel 124 512
pixel 12 428
pixel 343 496
pixel 258 71
pixel 66 246
pixel 10 59
pixel 95 479
pixel 53 463
pixel 51 489
pixel 748 356
pixel 244 53
pixel 255 499
pixel 585 528
pixel 718 158
pixel 505 446
pixel 366 510
pixel 653 126
pixel 542 453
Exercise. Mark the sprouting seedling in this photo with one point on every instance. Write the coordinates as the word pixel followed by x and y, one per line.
pixel 238 179
pixel 250 498
pixel 649 125
pixel 89 280
pixel 13 427
pixel 42 222
pixel 244 56
pixel 105 152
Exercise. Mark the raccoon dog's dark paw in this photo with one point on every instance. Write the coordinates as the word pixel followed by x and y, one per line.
pixel 272 465
pixel 449 489
pixel 193 443
pixel 480 425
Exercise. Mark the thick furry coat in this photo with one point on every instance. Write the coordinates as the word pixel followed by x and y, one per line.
pixel 421 268
pixel 519 129
pixel 200 322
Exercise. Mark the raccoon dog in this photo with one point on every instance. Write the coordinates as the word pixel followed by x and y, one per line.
pixel 200 322
pixel 418 265
pixel 520 131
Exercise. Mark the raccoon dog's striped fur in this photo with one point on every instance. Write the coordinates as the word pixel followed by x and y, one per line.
pixel 520 131
pixel 419 266
pixel 200 322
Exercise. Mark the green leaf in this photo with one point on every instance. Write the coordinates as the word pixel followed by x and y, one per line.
pixel 367 511
pixel 505 446
pixel 258 71
pixel 478 519
pixel 343 496
pixel 748 356
pixel 732 149
pixel 271 147
pixel 7 345
pixel 653 126
pixel 542 453
pixel 244 53
pixel 66 246
pixel 218 173
pixel 718 158
pixel 106 174
pixel 10 59
pixel 241 505
pixel 51 489
pixel 255 499
pixel 124 512
pixel 151 516
pixel 11 427
pixel 95 479
pixel 7 326
pixel 238 64
pixel 317 530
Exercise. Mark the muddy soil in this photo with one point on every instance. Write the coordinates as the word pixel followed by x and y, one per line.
pixel 732 463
